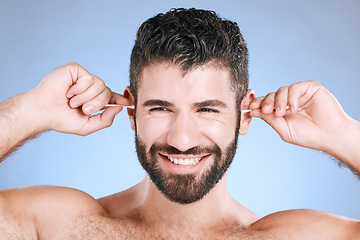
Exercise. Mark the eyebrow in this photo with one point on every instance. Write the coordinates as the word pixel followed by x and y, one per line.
pixel 210 103
pixel 202 104
pixel 157 102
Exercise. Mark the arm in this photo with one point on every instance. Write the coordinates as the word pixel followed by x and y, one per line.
pixel 14 128
pixel 314 120
pixel 346 146
pixel 63 101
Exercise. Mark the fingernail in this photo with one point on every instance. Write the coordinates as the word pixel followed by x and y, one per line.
pixel 293 109
pixel 278 109
pixel 88 109
pixel 75 104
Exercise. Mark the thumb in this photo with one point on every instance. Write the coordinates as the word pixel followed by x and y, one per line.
pixel 122 100
pixel 279 124
pixel 100 121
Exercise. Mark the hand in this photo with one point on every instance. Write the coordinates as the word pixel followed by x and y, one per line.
pixel 67 97
pixel 314 118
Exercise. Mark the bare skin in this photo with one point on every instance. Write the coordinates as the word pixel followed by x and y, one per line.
pixel 142 212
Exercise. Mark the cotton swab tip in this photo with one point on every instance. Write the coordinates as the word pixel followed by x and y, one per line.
pixel 117 105
pixel 246 111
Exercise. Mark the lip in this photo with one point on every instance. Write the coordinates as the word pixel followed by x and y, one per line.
pixel 180 169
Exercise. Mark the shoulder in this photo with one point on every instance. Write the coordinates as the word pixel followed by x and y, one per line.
pixel 309 224
pixel 34 208
pixel 57 198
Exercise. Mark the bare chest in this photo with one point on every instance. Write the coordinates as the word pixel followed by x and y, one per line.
pixel 106 228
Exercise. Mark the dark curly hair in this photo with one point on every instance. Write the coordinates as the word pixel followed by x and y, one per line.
pixel 191 38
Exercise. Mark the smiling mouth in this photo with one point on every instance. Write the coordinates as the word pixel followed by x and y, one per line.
pixel 185 161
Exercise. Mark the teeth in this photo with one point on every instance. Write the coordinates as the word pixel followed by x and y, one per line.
pixel 184 162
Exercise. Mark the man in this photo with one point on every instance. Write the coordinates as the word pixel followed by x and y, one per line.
pixel 188 83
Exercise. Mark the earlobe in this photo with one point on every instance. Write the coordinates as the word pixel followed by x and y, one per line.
pixel 130 111
pixel 245 117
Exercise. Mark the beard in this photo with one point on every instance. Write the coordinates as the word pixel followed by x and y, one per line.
pixel 186 188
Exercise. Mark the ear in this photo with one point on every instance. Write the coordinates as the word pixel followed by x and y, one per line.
pixel 130 111
pixel 245 117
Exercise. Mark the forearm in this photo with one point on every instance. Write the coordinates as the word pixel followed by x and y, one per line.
pixel 346 146
pixel 17 123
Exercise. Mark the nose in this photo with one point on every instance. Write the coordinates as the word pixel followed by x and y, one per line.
pixel 183 132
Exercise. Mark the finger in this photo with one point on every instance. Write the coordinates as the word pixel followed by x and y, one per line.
pixel 281 101
pixel 267 105
pixel 255 113
pixel 97 103
pixel 100 121
pixel 82 80
pixel 295 92
pixel 256 103
pixel 255 107
pixel 92 91
pixel 300 93
pixel 277 123
pixel 120 99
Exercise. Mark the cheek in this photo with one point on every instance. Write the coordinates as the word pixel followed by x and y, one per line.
pixel 151 129
pixel 218 131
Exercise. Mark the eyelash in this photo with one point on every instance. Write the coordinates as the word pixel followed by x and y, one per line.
pixel 159 109
pixel 206 110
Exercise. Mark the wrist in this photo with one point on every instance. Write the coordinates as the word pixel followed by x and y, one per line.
pixel 25 115
pixel 345 145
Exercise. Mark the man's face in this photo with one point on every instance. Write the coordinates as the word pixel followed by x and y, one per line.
pixel 186 132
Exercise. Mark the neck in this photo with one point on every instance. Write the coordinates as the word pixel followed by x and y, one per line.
pixel 217 204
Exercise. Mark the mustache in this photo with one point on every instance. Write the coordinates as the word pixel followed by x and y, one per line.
pixel 197 150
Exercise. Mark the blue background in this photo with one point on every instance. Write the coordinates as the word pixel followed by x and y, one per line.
pixel 289 41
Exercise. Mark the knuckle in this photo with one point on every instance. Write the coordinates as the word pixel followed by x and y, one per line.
pixel 106 124
pixel 108 93
pixel 313 82
pixel 73 64
pixel 91 79
pixel 283 88
pixel 294 85
pixel 269 95
pixel 102 84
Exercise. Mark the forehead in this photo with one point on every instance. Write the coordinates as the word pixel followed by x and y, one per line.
pixel 168 81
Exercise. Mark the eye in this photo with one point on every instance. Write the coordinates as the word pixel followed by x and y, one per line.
pixel 208 110
pixel 158 109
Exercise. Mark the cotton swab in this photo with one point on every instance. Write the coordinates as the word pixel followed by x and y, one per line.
pixel 246 111
pixel 117 105
pixel 132 107
pixel 249 110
